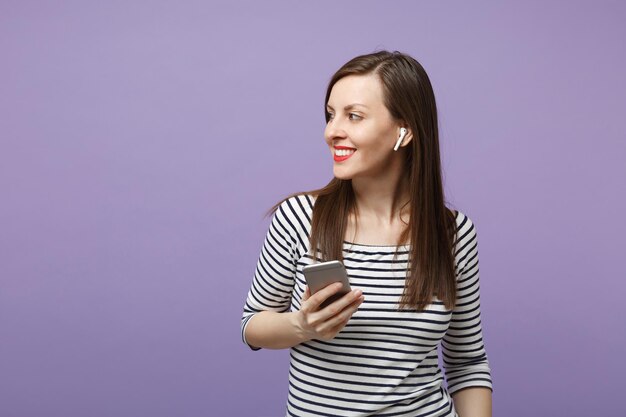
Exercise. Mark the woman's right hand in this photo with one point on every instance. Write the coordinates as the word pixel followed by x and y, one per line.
pixel 324 324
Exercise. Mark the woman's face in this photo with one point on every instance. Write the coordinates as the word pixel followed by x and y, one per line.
pixel 366 127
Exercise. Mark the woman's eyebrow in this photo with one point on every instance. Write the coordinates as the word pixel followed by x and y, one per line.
pixel 349 106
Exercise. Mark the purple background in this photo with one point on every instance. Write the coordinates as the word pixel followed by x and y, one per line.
pixel 141 143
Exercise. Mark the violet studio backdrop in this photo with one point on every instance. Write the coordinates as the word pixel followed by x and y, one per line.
pixel 141 143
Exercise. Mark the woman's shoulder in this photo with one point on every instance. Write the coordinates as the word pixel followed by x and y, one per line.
pixel 466 240
pixel 465 228
pixel 463 220
pixel 298 209
pixel 303 201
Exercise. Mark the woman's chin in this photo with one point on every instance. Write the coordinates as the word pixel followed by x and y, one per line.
pixel 342 175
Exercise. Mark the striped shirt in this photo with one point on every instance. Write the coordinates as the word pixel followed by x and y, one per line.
pixel 384 362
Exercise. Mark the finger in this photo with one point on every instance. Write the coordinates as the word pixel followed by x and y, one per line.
pixel 307 293
pixel 341 319
pixel 340 304
pixel 321 296
pixel 336 323
pixel 332 332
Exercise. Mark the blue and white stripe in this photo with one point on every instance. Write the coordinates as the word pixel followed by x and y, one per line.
pixel 384 362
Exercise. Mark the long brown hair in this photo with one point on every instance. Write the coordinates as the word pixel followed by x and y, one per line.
pixel 409 97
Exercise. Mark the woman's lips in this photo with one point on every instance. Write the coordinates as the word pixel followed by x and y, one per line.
pixel 342 158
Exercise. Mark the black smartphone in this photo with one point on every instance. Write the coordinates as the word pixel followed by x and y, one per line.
pixel 320 275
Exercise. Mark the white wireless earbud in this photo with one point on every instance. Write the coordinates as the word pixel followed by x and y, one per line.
pixel 402 133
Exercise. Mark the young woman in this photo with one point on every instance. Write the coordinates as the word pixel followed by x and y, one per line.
pixel 412 263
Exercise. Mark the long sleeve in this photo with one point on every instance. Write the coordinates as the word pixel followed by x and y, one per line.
pixel 464 355
pixel 274 276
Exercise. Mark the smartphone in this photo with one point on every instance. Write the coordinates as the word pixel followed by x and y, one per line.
pixel 320 275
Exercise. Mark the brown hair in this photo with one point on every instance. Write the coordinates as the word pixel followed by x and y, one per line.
pixel 409 97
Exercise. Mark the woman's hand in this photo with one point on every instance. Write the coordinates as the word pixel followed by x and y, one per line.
pixel 324 324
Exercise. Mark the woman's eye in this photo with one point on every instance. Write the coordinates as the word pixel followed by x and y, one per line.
pixel 330 116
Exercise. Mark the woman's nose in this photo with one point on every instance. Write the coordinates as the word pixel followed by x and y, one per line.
pixel 333 129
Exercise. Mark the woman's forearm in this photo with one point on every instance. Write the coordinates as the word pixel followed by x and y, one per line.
pixel 473 402
pixel 273 330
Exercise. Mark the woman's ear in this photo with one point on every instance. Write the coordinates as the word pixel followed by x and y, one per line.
pixel 407 137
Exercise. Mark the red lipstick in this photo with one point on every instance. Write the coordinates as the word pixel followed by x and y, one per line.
pixel 343 158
